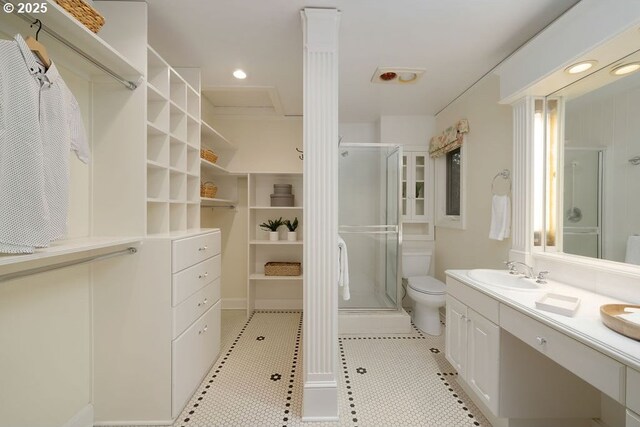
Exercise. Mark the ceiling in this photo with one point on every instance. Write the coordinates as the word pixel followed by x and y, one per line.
pixel 455 41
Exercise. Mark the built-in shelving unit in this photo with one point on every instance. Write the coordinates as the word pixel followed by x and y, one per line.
pixel 173 149
pixel 273 292
pixel 225 180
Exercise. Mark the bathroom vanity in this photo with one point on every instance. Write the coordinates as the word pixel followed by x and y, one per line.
pixel 525 366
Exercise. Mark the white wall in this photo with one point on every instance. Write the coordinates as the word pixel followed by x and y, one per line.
pixel 233 224
pixel 360 132
pixel 264 145
pixel 407 130
pixel 488 151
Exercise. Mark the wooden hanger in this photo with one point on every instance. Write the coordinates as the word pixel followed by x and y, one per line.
pixel 37 47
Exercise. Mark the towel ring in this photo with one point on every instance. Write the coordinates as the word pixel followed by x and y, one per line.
pixel 504 174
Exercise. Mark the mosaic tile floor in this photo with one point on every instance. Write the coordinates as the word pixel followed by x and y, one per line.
pixel 386 380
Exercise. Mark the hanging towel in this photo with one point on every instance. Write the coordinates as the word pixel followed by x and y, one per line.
pixel 500 217
pixel 343 269
pixel 633 250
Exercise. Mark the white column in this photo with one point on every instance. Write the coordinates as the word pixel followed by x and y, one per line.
pixel 320 261
pixel 523 111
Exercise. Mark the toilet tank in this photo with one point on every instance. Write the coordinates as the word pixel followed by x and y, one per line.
pixel 415 263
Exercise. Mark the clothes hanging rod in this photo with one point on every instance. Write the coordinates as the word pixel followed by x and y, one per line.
pixel 30 19
pixel 130 251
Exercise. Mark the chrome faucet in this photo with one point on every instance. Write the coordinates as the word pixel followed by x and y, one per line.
pixel 513 268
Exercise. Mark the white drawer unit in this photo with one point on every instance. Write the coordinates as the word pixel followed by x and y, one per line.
pixel 194 278
pixel 599 370
pixel 633 390
pixel 192 250
pixel 194 306
pixel 171 338
pixel 193 352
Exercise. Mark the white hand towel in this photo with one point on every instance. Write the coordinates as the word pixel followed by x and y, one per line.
pixel 343 268
pixel 631 317
pixel 633 250
pixel 500 217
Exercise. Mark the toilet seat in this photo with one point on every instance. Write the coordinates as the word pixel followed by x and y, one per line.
pixel 427 285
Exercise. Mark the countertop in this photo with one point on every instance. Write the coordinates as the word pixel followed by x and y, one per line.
pixel 585 326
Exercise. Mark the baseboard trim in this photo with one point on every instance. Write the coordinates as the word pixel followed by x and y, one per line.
pixel 234 303
pixel 83 418
pixel 278 304
pixel 134 423
pixel 320 401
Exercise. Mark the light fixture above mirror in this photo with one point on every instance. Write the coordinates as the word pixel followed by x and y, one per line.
pixel 625 69
pixel 581 67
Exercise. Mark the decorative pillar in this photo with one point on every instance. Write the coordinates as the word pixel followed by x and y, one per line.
pixel 522 193
pixel 320 260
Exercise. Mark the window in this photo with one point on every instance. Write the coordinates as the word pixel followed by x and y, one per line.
pixel 453 183
pixel 450 189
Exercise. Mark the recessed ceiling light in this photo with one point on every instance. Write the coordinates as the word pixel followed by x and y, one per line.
pixel 623 69
pixel 239 74
pixel 580 67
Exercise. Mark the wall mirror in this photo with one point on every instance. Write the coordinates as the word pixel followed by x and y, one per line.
pixel 591 158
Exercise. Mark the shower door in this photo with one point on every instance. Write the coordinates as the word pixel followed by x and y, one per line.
pixel 369 190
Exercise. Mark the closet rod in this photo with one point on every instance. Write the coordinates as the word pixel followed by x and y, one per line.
pixel 30 19
pixel 37 270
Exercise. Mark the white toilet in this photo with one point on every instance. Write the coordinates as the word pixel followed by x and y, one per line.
pixel 426 292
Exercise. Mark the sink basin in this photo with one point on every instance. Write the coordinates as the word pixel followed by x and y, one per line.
pixel 502 279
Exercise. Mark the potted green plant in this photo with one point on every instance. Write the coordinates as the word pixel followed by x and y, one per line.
pixel 292 235
pixel 272 227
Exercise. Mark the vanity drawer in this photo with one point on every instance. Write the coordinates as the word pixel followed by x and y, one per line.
pixel 190 251
pixel 194 306
pixel 633 390
pixel 193 352
pixel 187 282
pixel 481 303
pixel 633 420
pixel 599 370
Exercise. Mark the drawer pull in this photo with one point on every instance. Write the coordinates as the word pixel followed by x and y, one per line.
pixel 202 276
pixel 203 248
pixel 541 340
pixel 203 330
pixel 200 304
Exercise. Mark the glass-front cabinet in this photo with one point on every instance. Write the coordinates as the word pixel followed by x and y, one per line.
pixel 415 178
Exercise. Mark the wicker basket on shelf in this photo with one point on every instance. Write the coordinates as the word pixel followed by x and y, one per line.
pixel 208 155
pixel 84 13
pixel 282 269
pixel 208 189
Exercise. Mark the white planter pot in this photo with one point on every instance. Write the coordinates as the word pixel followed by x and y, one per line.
pixel 292 236
pixel 273 236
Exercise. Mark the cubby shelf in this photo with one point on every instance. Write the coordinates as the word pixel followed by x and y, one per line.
pixel 173 174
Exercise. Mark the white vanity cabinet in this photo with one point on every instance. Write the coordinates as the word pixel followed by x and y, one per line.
pixel 473 348
pixel 633 398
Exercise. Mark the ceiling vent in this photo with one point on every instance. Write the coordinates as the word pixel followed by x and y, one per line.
pixel 397 75
pixel 244 100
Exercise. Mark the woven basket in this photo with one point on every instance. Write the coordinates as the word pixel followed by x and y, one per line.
pixel 208 190
pixel 208 155
pixel 282 269
pixel 84 13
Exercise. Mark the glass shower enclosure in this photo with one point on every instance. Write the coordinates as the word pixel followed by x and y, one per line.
pixel 369 219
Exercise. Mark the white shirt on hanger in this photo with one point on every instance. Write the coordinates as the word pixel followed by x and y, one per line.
pixel 39 123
